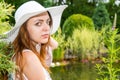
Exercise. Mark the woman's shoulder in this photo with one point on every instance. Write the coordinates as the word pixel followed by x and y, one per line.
pixel 26 50
pixel 28 55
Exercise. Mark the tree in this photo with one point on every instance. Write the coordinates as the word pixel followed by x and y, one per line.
pixel 101 16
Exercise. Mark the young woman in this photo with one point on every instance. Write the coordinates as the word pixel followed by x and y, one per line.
pixel 32 41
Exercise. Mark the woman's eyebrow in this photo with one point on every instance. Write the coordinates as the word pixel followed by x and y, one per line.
pixel 39 20
pixel 43 20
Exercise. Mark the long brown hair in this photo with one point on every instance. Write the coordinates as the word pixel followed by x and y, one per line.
pixel 22 42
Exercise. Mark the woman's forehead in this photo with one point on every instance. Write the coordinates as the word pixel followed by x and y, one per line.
pixel 41 14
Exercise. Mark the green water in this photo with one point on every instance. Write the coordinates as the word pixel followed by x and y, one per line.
pixel 76 71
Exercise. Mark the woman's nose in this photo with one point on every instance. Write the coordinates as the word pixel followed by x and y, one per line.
pixel 46 27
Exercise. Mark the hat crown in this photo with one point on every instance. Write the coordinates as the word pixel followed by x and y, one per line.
pixel 27 8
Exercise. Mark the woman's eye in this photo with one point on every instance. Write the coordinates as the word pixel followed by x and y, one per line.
pixel 38 24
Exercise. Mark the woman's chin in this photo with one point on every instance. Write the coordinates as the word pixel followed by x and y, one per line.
pixel 44 41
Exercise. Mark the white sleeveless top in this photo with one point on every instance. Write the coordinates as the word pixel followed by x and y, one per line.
pixel 47 75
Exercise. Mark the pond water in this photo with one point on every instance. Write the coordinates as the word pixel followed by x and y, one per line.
pixel 74 71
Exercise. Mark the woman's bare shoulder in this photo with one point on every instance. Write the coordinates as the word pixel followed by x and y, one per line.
pixel 29 55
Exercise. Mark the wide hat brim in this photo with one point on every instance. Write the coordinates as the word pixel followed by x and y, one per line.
pixel 55 12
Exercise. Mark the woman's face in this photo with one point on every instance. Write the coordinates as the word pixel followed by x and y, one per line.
pixel 39 28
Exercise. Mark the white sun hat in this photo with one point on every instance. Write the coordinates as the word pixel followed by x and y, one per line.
pixel 30 9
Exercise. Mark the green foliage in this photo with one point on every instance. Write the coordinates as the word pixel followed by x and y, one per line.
pixel 17 3
pixel 112 9
pixel 101 16
pixel 107 70
pixel 47 3
pixel 5 12
pixel 77 7
pixel 76 21
pixel 58 54
pixel 6 65
pixel 84 42
pixel 118 43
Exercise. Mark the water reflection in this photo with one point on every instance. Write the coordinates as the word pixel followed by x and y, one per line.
pixel 74 71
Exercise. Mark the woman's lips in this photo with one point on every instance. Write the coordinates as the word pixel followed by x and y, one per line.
pixel 45 36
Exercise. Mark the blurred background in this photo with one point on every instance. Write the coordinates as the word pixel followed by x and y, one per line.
pixel 88 37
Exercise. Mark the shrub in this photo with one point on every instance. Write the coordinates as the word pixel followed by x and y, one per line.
pixel 58 54
pixel 118 43
pixel 85 43
pixel 109 70
pixel 6 65
pixel 76 21
pixel 5 13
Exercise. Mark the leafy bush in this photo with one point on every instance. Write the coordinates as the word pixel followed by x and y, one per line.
pixel 76 21
pixel 58 54
pixel 85 43
pixel 6 65
pixel 5 12
pixel 108 69
pixel 118 43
